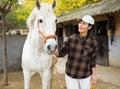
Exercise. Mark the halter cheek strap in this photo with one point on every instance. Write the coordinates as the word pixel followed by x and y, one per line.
pixel 45 37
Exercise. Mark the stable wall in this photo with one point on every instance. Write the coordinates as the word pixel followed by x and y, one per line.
pixel 114 49
pixel 14 52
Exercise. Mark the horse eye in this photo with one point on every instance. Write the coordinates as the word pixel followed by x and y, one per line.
pixel 40 20
pixel 56 20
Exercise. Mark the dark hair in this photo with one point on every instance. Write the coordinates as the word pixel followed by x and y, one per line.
pixel 90 32
pixel 90 24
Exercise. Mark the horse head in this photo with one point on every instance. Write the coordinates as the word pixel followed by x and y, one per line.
pixel 43 21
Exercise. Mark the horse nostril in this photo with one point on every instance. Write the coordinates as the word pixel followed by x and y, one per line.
pixel 48 47
pixel 55 47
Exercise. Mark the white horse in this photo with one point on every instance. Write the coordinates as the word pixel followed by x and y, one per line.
pixel 40 44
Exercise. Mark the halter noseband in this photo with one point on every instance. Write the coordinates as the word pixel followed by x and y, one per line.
pixel 46 37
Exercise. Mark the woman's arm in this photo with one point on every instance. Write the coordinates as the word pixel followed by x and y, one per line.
pixel 93 63
pixel 63 50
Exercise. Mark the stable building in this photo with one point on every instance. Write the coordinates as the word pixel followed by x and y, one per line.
pixel 106 29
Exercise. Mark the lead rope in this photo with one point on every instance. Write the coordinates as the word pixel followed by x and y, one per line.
pixel 56 70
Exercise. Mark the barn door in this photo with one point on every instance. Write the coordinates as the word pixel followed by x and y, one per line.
pixel 102 39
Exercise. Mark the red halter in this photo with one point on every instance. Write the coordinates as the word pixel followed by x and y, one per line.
pixel 46 37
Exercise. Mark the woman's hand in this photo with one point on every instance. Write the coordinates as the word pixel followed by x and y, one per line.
pixel 94 78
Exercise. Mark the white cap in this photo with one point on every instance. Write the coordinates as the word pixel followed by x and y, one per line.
pixel 88 19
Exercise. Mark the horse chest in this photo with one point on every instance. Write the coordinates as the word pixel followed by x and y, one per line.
pixel 37 61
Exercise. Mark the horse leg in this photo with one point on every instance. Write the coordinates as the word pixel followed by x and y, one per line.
pixel 46 77
pixel 27 78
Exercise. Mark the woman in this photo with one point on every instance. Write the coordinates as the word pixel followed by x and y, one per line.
pixel 82 49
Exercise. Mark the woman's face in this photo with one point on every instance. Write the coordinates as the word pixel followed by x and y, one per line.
pixel 83 27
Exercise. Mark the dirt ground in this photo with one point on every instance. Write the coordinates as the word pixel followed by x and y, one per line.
pixel 16 82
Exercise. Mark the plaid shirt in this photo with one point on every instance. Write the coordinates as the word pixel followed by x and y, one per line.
pixel 82 53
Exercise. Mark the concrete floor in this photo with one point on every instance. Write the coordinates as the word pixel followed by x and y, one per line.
pixel 108 74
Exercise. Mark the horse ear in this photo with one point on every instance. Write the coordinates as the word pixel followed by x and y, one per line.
pixel 38 4
pixel 54 4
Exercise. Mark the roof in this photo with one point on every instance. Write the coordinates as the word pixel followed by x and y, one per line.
pixel 100 8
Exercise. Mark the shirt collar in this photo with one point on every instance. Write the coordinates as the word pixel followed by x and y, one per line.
pixel 83 38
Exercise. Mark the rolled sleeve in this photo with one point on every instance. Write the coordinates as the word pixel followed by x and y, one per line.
pixel 64 48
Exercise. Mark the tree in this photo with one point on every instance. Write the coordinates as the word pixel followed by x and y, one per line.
pixel 64 6
pixel 20 15
pixel 5 7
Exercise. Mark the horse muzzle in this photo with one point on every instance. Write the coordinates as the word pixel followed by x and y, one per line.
pixel 51 48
